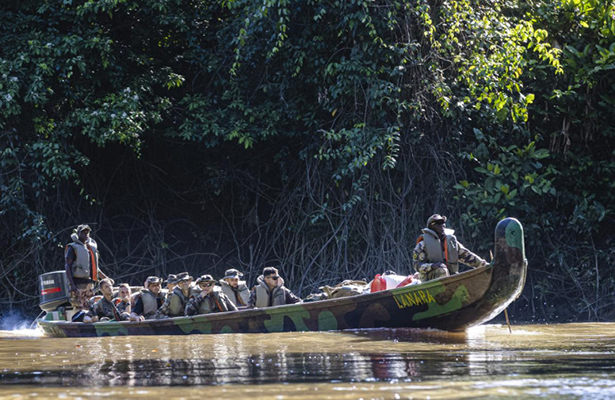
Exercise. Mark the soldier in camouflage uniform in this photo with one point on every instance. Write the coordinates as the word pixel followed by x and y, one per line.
pixel 171 282
pixel 81 265
pixel 175 304
pixel 104 309
pixel 438 253
pixel 148 301
pixel 122 301
pixel 270 291
pixel 234 288
pixel 211 299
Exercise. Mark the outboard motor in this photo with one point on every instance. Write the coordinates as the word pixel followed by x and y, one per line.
pixel 54 292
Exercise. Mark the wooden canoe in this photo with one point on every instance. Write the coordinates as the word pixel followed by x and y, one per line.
pixel 453 303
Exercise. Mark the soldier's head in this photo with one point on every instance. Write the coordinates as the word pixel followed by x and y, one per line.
pixel 271 277
pixel 206 283
pixel 184 280
pixel 106 287
pixel 171 282
pixel 437 223
pixel 231 276
pixel 152 283
pixel 123 291
pixel 83 232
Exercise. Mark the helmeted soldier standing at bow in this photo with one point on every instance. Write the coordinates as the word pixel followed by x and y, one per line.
pixel 438 253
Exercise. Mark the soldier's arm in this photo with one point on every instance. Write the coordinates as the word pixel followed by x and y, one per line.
pixel 94 310
pixel 163 311
pixel 138 308
pixel 290 297
pixel 124 316
pixel 470 259
pixel 193 305
pixel 419 259
pixel 101 274
pixel 230 306
pixel 69 260
pixel 252 300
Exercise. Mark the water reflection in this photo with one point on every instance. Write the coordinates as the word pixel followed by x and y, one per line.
pixel 486 356
pixel 226 359
pixel 427 336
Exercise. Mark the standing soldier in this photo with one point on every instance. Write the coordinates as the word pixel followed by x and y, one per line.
pixel 81 264
pixel 437 253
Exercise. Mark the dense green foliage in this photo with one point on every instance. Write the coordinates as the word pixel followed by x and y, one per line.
pixel 317 135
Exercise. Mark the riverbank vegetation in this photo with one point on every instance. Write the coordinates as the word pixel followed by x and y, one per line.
pixel 315 135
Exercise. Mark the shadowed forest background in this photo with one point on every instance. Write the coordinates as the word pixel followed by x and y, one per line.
pixel 317 136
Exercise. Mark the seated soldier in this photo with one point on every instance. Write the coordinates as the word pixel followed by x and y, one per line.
pixel 148 301
pixel 211 299
pixel 122 301
pixel 175 304
pixel 171 282
pixel 104 309
pixel 270 291
pixel 235 289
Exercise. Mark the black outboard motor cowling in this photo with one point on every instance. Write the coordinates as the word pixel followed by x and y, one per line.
pixel 54 291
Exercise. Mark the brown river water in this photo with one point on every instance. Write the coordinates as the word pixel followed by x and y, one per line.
pixel 568 361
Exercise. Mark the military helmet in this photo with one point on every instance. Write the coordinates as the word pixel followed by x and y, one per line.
pixel 435 218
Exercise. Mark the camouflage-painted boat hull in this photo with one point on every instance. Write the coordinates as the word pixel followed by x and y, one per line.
pixel 454 304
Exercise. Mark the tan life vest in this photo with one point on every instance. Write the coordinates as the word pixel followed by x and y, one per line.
pixel 150 305
pixel 208 304
pixel 177 303
pixel 239 297
pixel 85 265
pixel 450 255
pixel 262 296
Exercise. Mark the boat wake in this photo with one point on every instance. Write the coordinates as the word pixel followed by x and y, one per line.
pixel 15 326
pixel 21 334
